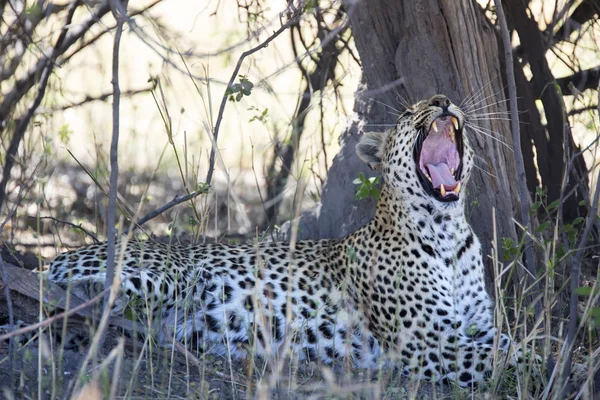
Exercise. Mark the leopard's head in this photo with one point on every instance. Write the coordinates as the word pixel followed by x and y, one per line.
pixel 426 154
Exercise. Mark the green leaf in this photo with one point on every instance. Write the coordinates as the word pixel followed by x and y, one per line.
pixel 65 133
pixel 536 205
pixel 539 191
pixel 543 227
pixel 247 85
pixel 582 203
pixel 578 220
pixel 362 193
pixel 351 253
pixel 554 204
pixel 586 291
pixel 595 314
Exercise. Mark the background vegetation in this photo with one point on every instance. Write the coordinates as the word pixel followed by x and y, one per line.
pixel 236 112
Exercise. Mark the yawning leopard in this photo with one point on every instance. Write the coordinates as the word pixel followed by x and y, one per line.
pixel 407 288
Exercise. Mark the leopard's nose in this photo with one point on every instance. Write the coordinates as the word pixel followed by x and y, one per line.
pixel 440 101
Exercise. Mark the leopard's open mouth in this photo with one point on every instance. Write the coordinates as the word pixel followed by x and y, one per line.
pixel 438 155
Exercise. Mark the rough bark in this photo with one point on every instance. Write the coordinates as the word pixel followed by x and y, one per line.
pixel 434 47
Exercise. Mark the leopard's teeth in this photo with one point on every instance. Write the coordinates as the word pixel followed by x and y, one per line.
pixel 453 136
pixel 428 177
pixel 443 190
pixel 452 171
pixel 434 126
pixel 457 189
pixel 454 122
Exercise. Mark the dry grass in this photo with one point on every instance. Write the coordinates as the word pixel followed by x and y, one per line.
pixel 135 364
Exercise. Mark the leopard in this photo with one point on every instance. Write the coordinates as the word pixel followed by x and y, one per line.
pixel 406 289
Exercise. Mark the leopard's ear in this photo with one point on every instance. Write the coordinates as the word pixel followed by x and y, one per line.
pixel 371 147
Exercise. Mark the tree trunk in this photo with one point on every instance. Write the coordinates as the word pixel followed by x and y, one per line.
pixel 420 48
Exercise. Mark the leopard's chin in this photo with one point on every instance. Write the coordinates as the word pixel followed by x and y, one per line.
pixel 438 155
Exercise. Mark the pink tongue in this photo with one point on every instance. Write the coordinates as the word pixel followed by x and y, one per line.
pixel 441 174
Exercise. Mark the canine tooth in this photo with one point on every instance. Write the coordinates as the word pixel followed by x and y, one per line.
pixel 452 171
pixel 434 126
pixel 453 136
pixel 454 122
pixel 457 188
pixel 443 190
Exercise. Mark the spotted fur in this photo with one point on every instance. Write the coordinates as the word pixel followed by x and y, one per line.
pixel 407 288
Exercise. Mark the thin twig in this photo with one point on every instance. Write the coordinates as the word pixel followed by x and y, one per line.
pixel 114 159
pixel 176 200
pixel 89 99
pixel 94 238
pixel 56 317
pixel 211 163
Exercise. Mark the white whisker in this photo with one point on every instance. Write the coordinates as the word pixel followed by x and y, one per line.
pixel 484 105
pixel 491 113
pixel 484 171
pixel 482 101
pixel 403 101
pixel 480 130
pixel 388 106
pixel 503 113
pixel 488 130
pixel 490 119
pixel 487 107
pixel 472 97
pixel 415 139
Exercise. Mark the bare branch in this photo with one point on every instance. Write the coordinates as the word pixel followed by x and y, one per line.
pixel 94 238
pixel 584 12
pixel 582 110
pixel 114 153
pixel 293 19
pixel 69 36
pixel 89 99
pixel 23 123
pixel 20 32
pixel 77 32
pixel 572 85
pixel 176 200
